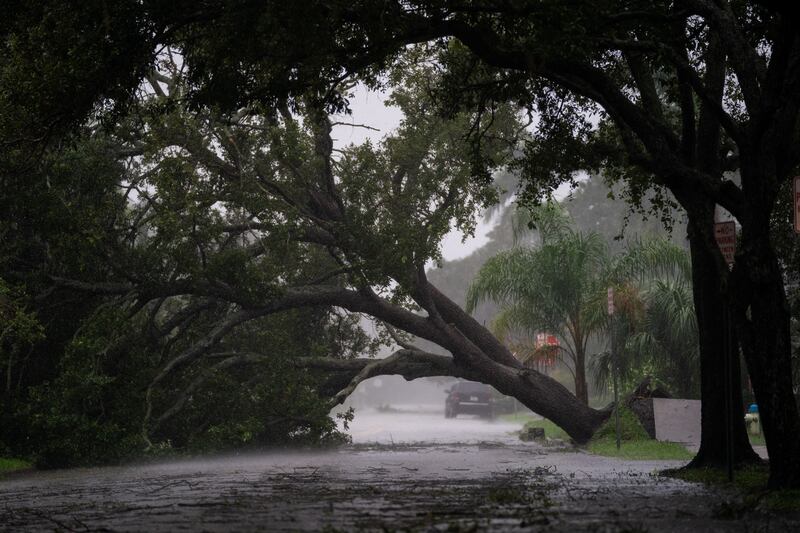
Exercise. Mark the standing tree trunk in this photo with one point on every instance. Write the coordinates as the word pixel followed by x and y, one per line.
pixel 581 388
pixel 762 318
pixel 709 304
pixel 707 287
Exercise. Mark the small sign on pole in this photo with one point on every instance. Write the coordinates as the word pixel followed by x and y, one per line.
pixel 796 203
pixel 725 235
pixel 541 338
pixel 548 357
pixel 611 300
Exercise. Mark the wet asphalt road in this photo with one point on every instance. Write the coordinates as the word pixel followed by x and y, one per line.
pixel 406 482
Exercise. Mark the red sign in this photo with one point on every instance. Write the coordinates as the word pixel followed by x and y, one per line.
pixel 725 235
pixel 796 203
pixel 547 348
pixel 545 339
pixel 611 300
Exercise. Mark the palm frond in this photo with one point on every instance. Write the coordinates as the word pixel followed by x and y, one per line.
pixel 502 325
pixel 653 259
pixel 550 220
pixel 502 278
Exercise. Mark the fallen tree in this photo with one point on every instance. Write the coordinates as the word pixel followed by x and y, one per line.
pixel 689 89
pixel 256 214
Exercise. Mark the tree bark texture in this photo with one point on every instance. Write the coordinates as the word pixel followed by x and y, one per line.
pixel 762 318
pixel 581 388
pixel 709 304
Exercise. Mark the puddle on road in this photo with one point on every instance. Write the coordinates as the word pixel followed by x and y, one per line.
pixel 429 427
pixel 419 474
pixel 384 488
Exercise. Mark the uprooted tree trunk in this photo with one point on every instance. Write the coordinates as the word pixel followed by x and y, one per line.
pixel 465 337
pixel 545 396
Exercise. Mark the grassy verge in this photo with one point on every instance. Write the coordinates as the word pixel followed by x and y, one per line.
pixel 520 418
pixel 640 450
pixel 635 442
pixel 551 431
pixel 10 465
pixel 635 445
pixel 751 481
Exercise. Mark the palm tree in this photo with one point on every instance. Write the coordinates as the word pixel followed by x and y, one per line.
pixel 553 287
pixel 656 326
pixel 560 285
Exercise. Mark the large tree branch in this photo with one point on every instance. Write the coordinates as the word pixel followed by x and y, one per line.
pixel 781 102
pixel 708 90
pixel 323 149
pixel 364 301
pixel 205 375
pixel 592 82
pixel 746 63
pixel 151 290
pixel 472 329
pixel 643 78
pixel 663 151
pixel 713 84
pixel 410 364
pixel 304 297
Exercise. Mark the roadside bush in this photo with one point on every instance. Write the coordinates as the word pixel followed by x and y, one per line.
pixel 269 404
pixel 630 427
pixel 92 410
pixel 83 417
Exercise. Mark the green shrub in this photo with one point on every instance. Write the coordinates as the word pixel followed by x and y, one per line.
pixel 634 440
pixel 93 409
pixel 630 427
pixel 10 465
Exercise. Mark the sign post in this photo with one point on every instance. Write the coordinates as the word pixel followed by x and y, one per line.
pixel 725 235
pixel 614 363
pixel 796 203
